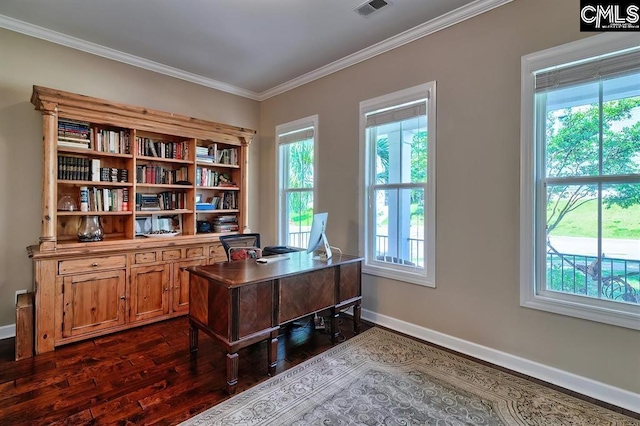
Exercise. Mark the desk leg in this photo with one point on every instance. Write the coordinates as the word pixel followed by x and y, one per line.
pixel 356 317
pixel 272 352
pixel 193 340
pixel 232 373
pixel 334 332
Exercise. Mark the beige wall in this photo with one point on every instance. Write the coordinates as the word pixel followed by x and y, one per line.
pixel 477 68
pixel 25 61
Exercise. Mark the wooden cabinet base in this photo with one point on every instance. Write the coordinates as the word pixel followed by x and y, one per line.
pixel 81 294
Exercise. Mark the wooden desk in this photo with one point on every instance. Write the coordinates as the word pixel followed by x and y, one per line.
pixel 242 303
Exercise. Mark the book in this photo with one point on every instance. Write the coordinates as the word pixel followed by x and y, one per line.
pixel 73 144
pixel 95 170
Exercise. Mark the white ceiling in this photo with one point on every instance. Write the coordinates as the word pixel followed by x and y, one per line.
pixel 253 48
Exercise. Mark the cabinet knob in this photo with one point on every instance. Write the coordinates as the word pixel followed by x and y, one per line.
pixel 95 265
pixel 122 297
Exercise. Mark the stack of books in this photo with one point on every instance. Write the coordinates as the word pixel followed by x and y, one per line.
pixel 225 223
pixel 74 134
pixel 147 202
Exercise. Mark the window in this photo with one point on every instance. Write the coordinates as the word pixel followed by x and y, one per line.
pixel 398 198
pixel 580 194
pixel 295 165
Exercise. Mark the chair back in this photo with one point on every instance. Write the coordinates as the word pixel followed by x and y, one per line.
pixel 239 240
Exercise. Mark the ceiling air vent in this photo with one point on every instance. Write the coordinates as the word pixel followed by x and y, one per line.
pixel 369 7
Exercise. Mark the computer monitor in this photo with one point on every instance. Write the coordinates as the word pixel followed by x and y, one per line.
pixel 318 237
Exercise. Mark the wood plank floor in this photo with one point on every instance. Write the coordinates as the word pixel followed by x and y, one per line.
pixel 140 376
pixel 143 376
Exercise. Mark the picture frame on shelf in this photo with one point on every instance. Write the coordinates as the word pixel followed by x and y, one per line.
pixel 143 225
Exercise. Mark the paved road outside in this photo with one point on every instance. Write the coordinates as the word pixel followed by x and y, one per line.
pixel 611 247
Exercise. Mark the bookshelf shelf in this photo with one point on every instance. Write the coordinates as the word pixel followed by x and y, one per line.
pixel 162 212
pixel 215 165
pixel 94 183
pixel 164 186
pixel 95 213
pixel 146 159
pixel 92 153
pixel 220 188
pixel 217 211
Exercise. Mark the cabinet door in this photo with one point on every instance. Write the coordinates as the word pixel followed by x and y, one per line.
pixel 149 293
pixel 180 296
pixel 93 302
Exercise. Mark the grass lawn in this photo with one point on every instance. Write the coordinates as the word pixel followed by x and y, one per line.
pixel 616 222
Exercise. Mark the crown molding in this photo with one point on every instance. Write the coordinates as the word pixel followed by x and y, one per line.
pixel 116 55
pixel 454 17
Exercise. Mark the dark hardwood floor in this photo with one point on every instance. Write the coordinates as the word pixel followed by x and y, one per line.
pixel 141 376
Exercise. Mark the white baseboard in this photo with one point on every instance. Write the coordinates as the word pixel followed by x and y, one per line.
pixel 585 386
pixel 7 331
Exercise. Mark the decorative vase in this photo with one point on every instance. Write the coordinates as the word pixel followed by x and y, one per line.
pixel 90 229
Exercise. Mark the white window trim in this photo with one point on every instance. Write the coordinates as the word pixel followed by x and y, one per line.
pixel 530 296
pixel 371 267
pixel 302 123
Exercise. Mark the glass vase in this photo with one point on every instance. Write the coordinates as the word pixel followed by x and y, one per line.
pixel 90 229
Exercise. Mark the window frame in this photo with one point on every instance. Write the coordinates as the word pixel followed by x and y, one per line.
pixel 426 276
pixel 283 129
pixel 532 253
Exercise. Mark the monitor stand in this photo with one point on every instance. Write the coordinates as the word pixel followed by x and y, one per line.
pixel 326 255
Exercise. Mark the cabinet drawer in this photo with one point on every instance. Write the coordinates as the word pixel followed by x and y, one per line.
pixel 217 253
pixel 91 264
pixel 171 254
pixel 195 252
pixel 145 257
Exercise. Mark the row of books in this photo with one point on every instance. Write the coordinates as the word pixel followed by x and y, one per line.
pixel 229 200
pixel 206 177
pixel 167 200
pixel 112 174
pixel 80 135
pixel 88 169
pixel 112 141
pixel 150 148
pixel 153 174
pixel 108 199
pixel 212 154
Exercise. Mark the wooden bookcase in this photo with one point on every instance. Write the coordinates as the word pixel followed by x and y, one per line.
pixel 84 289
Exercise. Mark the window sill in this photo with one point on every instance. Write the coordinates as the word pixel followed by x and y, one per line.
pixel 576 306
pixel 398 275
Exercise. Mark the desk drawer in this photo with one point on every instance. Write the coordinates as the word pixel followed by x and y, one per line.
pixel 91 264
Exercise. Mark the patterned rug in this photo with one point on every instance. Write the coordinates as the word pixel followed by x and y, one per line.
pixel 381 378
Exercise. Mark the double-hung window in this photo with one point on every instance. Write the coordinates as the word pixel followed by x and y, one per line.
pixel 398 187
pixel 580 183
pixel 295 165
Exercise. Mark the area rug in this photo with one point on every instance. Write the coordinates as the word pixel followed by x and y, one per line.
pixel 382 378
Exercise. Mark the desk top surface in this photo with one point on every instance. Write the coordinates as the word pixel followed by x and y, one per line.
pixel 249 271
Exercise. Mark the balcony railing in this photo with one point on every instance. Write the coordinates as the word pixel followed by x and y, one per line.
pixel 299 239
pixel 605 278
pixel 416 251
